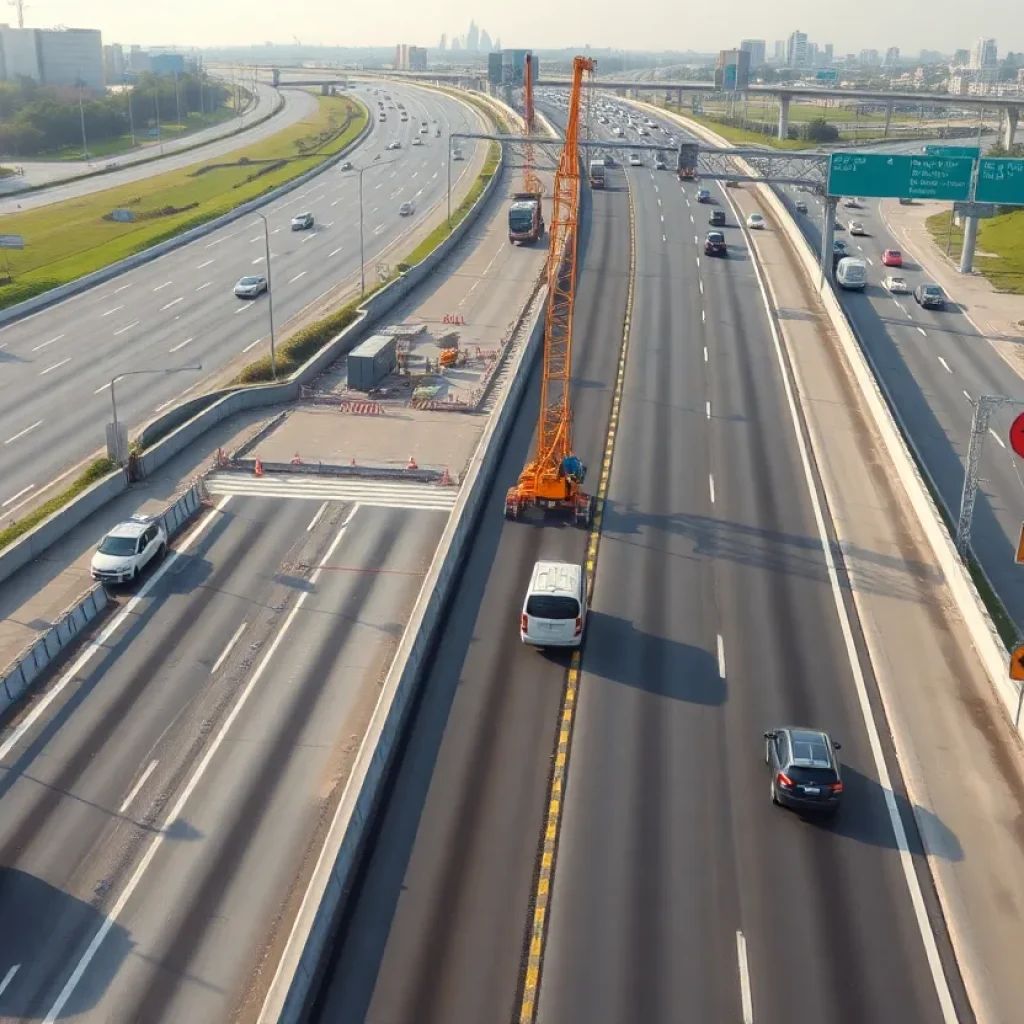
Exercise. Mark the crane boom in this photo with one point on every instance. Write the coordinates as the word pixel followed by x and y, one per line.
pixel 552 479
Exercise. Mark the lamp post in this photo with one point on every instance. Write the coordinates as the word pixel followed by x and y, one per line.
pixel 133 373
pixel 81 115
pixel 362 260
pixel 270 289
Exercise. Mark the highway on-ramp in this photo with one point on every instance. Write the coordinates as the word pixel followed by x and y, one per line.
pixel 678 890
pixel 180 309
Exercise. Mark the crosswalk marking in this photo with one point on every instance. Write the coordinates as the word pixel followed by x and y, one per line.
pixel 382 493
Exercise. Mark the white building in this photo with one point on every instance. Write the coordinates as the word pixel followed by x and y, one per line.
pixel 984 54
pixel 69 56
pixel 113 63
pixel 796 49
pixel 19 54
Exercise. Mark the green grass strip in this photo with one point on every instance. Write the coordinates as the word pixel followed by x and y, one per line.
pixel 1000 248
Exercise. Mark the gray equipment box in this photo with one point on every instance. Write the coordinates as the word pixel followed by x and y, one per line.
pixel 371 361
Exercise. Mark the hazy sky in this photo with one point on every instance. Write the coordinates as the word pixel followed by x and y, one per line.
pixel 663 24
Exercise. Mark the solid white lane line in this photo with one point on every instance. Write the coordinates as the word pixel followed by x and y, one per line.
pixel 931 948
pixel 705 353
pixel 128 327
pixel 968 397
pixel 181 345
pixel 922 331
pixel 45 343
pixel 316 519
pixel 297 276
pixel 173 302
pixel 703 316
pixel 160 287
pixel 15 497
pixel 42 373
pixel 206 264
pixel 721 656
pixel 711 486
pixel 945 365
pixel 1002 443
pixel 211 752
pixel 252 344
pixel 745 999
pixel 23 432
pixel 227 650
pixel 8 978
pixel 707 409
pixel 102 387
pixel 114 310
pixel 137 787
pixel 202 286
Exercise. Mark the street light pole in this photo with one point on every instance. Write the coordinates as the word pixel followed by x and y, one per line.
pixel 177 97
pixel 131 117
pixel 81 114
pixel 270 288
pixel 448 168
pixel 134 373
pixel 362 260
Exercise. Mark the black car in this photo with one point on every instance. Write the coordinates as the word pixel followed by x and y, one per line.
pixel 838 252
pixel 714 244
pixel 717 219
pixel 930 296
pixel 800 206
pixel 703 196
pixel 805 769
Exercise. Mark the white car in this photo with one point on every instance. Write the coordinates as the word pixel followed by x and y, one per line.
pixel 417 141
pixel 635 161
pixel 755 221
pixel 424 129
pixel 346 166
pixel 457 154
pixel 128 549
pixel 394 144
pixel 857 228
pixel 405 209
pixel 897 285
pixel 641 131
pixel 302 221
pixel 251 286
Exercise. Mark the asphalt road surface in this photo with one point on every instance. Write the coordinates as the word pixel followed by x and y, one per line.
pixel 160 816
pixel 713 619
pixel 180 309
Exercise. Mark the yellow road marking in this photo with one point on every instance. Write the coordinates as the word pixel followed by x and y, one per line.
pixel 534 959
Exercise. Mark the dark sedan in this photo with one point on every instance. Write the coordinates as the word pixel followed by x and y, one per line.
pixel 805 769
pixel 703 196
pixel 930 296
pixel 717 219
pixel 714 244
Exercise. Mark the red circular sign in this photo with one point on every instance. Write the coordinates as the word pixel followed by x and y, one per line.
pixel 1017 435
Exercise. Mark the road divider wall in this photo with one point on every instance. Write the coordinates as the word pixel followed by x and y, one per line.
pixel 900 447
pixel 48 645
pixel 87 281
pixel 298 971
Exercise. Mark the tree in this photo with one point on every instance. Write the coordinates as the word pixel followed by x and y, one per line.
pixel 819 130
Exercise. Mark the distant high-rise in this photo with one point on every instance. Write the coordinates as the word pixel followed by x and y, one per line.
pixel 455 45
pixel 961 58
pixel 485 41
pixel 892 56
pixel 732 71
pixel 869 57
pixel 443 45
pixel 812 55
pixel 756 49
pixel 497 45
pixel 473 38
pixel 113 63
pixel 796 49
pixel 828 53
pixel 984 54
pixel 70 56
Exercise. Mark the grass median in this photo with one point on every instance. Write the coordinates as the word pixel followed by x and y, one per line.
pixel 1000 248
pixel 64 241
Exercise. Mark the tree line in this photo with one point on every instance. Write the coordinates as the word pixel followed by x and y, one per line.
pixel 37 119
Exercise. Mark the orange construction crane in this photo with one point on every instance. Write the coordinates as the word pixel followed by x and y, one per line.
pixel 531 183
pixel 553 479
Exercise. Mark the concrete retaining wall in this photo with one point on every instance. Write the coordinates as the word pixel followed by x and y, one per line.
pixel 298 970
pixel 898 443
pixel 81 284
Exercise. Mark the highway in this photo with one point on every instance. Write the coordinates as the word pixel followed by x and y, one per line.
pixel 933 364
pixel 180 309
pixel 159 815
pixel 679 892
pixel 297 104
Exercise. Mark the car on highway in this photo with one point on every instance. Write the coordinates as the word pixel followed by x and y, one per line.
pixel 127 549
pixel 732 184
pixel 406 208
pixel 897 285
pixel 641 131
pixel 382 116
pixel 417 141
pixel 805 769
pixel 659 163
pixel 635 161
pixel 424 129
pixel 703 195
pixel 714 244
pixel 851 204
pixel 717 219
pixel 930 296
pixel 617 131
pixel 555 606
pixel 437 132
pixel 250 286
pixel 346 166
pixel 395 144
pixel 857 228
pixel 892 258
pixel 302 221
pixel 756 222
pixel 800 206
pixel 609 160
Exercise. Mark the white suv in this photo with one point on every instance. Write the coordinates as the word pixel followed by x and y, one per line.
pixel 128 549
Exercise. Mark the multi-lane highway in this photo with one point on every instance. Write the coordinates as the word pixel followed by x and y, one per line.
pixel 162 808
pixel 678 889
pixel 180 309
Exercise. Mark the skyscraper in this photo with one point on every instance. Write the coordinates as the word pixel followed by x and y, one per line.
pixel 473 38
pixel 961 58
pixel 443 45
pixel 756 49
pixel 892 56
pixel 828 51
pixel 485 41
pixel 984 54
pixel 796 49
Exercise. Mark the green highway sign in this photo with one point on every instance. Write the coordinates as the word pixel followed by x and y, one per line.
pixel 972 151
pixel 899 177
pixel 1000 181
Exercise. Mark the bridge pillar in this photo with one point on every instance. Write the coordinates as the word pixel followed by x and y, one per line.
pixel 828 234
pixel 783 117
pixel 888 120
pixel 680 101
pixel 970 242
pixel 1010 126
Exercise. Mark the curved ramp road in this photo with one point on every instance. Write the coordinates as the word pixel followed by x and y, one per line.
pixel 679 891
pixel 180 309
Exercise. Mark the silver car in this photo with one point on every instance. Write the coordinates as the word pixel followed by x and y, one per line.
pixel 251 286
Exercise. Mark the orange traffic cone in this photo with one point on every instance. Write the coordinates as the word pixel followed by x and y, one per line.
pixel 297 461
pixel 412 463
pixel 258 468
pixel 446 478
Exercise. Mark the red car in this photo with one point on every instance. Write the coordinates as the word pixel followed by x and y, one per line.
pixel 892 258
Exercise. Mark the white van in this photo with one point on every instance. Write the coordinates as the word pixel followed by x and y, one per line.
pixel 555 607
pixel 851 273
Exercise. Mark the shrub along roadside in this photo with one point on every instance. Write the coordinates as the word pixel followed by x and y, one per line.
pixel 94 471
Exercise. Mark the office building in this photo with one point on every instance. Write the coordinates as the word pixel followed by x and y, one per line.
pixel 494 67
pixel 61 57
pixel 113 64
pixel 485 41
pixel 443 45
pixel 19 54
pixel 869 58
pixel 138 60
pixel 732 70
pixel 796 50
pixel 167 63
pixel 508 67
pixel 812 55
pixel 473 38
pixel 779 52
pixel 892 56
pixel 827 54
pixel 401 57
pixel 756 49
pixel 984 54
pixel 417 58
pixel 961 58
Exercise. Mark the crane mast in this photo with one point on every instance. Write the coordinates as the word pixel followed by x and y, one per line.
pixel 553 477
pixel 531 183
